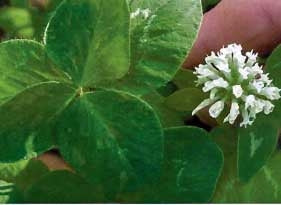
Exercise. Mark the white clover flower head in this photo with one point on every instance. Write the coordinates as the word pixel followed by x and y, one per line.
pixel 145 13
pixel 238 82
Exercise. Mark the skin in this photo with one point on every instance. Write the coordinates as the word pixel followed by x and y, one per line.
pixel 53 161
pixel 255 24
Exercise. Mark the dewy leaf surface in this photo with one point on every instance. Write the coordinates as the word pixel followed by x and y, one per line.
pixel 26 120
pixel 89 39
pixel 160 41
pixel 255 145
pixel 24 63
pixel 112 138
pixel 193 163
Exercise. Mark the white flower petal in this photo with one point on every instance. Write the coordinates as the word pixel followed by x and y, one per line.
pixel 233 114
pixel 268 107
pixel 136 13
pixel 144 12
pixel 237 91
pixel 218 62
pixel 246 118
pixel 216 109
pixel 254 70
pixel 204 71
pixel 272 93
pixel 230 49
pixel 218 83
pixel 264 78
pixel 203 104
pixel 230 71
pixel 252 58
pixel 239 59
pixel 250 101
pixel 254 104
pixel 244 73
pixel 258 107
pixel 257 85
pixel 213 93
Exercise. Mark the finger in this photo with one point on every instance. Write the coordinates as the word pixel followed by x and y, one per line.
pixel 255 24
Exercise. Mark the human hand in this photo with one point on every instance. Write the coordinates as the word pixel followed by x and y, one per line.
pixel 255 24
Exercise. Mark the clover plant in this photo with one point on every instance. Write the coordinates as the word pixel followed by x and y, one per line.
pixel 103 87
pixel 85 92
pixel 244 98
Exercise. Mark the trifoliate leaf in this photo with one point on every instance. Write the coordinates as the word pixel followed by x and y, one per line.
pixel 89 39
pixel 113 139
pixel 161 36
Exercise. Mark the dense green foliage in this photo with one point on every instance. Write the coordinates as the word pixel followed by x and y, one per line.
pixel 102 85
pixel 26 18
